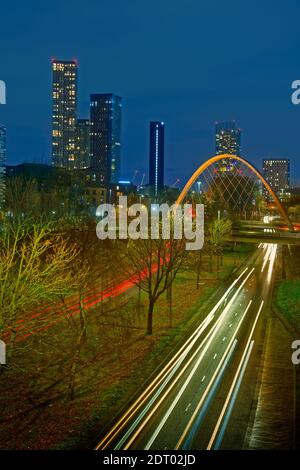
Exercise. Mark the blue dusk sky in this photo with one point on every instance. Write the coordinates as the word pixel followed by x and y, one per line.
pixel 188 63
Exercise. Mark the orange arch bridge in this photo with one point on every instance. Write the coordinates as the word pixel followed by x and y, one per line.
pixel 224 156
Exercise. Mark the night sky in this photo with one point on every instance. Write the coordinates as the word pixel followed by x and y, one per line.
pixel 188 63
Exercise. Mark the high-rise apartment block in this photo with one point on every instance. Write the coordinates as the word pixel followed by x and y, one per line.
pixel 64 108
pixel 276 172
pixel 82 143
pixel 228 138
pixel 105 132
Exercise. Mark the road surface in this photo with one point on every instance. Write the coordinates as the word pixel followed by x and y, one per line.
pixel 202 397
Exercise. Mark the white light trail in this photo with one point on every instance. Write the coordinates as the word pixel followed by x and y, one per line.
pixel 209 338
pixel 203 397
pixel 230 393
pixel 163 375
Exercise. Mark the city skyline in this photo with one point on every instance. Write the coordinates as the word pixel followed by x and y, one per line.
pixel 79 133
pixel 255 90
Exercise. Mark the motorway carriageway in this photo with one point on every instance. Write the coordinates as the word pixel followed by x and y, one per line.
pixel 202 398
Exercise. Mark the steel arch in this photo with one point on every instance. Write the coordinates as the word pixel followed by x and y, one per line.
pixel 228 156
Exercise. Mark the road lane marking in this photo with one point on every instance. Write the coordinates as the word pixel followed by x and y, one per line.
pixel 156 395
pixel 196 411
pixel 272 261
pixel 187 407
pixel 234 396
pixel 162 376
pixel 188 442
pixel 267 256
pixel 212 333
pixel 122 422
pixel 230 393
pixel 215 356
pixel 203 378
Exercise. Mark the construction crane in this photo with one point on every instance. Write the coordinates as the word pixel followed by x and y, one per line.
pixel 142 181
pixel 134 175
pixel 175 183
pixel 144 174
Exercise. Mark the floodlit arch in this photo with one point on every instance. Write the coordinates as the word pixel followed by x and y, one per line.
pixel 227 156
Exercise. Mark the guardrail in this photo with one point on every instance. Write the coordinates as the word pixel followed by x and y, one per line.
pixel 261 234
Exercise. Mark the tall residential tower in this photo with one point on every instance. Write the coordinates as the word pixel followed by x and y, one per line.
pixel 105 132
pixel 82 143
pixel 228 138
pixel 64 107
pixel 276 171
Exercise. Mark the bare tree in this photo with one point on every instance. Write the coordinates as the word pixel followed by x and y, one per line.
pixel 90 269
pixel 34 268
pixel 153 265
pixel 22 197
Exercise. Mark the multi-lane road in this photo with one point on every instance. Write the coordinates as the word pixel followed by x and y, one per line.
pixel 202 398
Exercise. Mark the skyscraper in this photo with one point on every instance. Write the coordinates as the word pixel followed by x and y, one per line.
pixel 277 173
pixel 228 138
pixel 156 155
pixel 105 121
pixel 82 143
pixel 64 106
pixel 2 164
